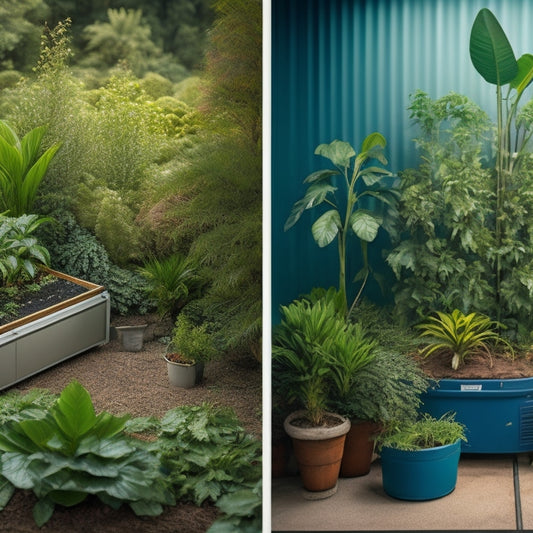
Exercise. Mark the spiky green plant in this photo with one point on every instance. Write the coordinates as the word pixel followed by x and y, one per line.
pixel 171 281
pixel 460 333
pixel 21 168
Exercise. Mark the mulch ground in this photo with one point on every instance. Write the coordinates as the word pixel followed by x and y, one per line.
pixel 137 383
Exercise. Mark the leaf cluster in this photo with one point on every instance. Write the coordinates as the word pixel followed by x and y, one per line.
pixel 20 251
pixel 460 333
pixel 67 452
pixel 194 342
pixel 211 458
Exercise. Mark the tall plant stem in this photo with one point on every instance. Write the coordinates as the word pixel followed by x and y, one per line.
pixel 500 184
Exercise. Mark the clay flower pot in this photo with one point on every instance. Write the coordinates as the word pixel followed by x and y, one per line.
pixel 318 452
pixel 359 448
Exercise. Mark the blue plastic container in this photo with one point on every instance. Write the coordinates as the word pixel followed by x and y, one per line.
pixel 498 414
pixel 422 474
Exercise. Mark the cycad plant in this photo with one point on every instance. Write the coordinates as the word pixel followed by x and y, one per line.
pixel 21 168
pixel 462 334
pixel 171 282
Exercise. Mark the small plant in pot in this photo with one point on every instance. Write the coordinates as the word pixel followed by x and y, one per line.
pixel 312 355
pixel 420 459
pixel 190 348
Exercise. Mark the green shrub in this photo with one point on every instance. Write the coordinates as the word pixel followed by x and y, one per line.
pixel 156 86
pixel 115 229
pixel 67 452
pixel 9 78
pixel 128 292
pixel 194 343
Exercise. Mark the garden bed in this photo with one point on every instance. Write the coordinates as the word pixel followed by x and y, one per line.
pixel 137 383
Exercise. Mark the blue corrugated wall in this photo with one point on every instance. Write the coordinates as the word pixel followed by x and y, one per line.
pixel 344 68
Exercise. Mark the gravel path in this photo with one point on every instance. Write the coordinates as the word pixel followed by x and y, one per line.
pixel 137 383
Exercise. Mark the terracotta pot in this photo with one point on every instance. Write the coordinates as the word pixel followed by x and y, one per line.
pixel 359 448
pixel 318 452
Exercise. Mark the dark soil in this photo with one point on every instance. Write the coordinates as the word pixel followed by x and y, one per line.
pixel 29 302
pixel 478 366
pixel 137 383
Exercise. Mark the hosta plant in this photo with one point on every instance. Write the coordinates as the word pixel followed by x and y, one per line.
pixel 67 452
pixel 461 334
pixel 350 212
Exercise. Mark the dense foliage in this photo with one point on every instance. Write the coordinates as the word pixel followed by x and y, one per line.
pixel 66 452
pixel 153 162
pixel 59 448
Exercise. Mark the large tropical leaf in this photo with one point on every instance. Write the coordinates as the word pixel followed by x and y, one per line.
pixel 490 51
pixel 314 196
pixel 326 228
pixel 338 152
pixel 365 224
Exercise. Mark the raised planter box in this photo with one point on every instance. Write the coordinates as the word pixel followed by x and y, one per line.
pixel 43 339
pixel 498 414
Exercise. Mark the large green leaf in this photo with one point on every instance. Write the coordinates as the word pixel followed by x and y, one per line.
pixel 490 51
pixel 315 195
pixel 365 224
pixel 7 489
pixel 74 411
pixel 326 228
pixel 338 152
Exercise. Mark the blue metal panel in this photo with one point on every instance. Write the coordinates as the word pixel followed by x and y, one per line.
pixel 344 68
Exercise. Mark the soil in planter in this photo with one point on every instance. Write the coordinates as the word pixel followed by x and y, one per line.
pixel 478 366
pixel 25 301
pixel 328 421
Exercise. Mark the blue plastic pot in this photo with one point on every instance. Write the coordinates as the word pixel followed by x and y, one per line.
pixel 497 413
pixel 422 474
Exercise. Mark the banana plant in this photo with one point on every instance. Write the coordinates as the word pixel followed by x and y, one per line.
pixel 493 57
pixel 21 168
pixel 352 213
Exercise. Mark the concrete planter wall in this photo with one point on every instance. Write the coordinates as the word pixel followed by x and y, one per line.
pixel 497 413
pixel 43 339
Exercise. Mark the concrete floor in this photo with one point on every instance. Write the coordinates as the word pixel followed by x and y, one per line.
pixel 492 492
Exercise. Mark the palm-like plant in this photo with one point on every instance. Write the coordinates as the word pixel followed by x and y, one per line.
pixel 171 282
pixel 21 168
pixel 460 333
pixel 315 354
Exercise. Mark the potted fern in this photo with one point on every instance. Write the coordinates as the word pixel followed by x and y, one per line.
pixel 190 348
pixel 420 459
pixel 313 356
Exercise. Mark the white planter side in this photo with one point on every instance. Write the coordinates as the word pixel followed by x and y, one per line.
pixel 42 343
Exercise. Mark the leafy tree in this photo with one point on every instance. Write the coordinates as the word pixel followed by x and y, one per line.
pixel 125 37
pixel 19 32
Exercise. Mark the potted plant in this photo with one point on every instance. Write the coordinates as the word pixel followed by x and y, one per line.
pixel 190 348
pixel 420 459
pixel 386 390
pixel 313 355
